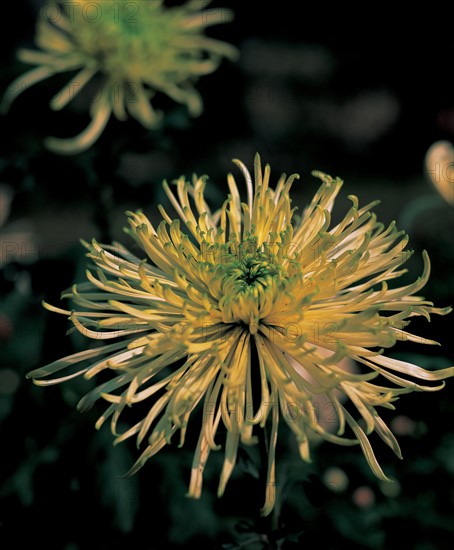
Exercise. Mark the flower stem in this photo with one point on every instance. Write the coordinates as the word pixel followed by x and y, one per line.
pixel 265 524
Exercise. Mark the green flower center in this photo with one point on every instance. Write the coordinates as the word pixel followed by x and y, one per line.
pixel 251 271
pixel 250 283
pixel 128 40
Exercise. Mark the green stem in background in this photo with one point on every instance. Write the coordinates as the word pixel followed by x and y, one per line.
pixel 263 470
pixel 418 206
pixel 101 194
pixel 266 524
pixel 104 197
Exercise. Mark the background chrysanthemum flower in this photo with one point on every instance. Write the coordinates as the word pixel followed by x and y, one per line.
pixel 440 168
pixel 249 314
pixel 138 49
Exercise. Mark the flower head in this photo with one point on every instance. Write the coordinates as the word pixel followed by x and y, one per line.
pixel 135 48
pixel 250 313
pixel 440 168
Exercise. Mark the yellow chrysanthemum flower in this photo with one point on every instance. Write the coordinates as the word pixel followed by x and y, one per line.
pixel 251 314
pixel 136 49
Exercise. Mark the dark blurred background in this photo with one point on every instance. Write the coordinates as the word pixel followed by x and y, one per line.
pixel 320 92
